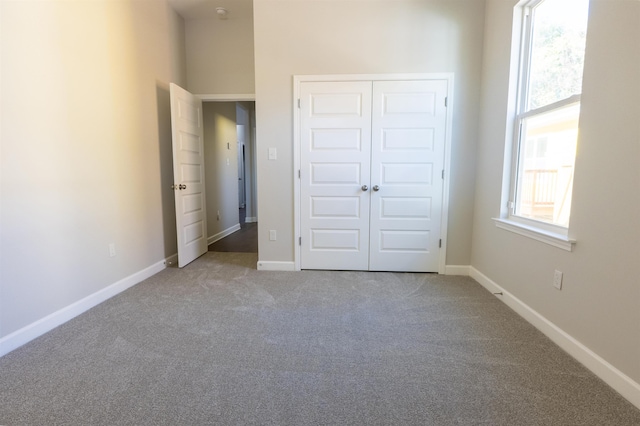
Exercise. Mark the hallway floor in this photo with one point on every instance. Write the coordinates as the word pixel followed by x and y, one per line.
pixel 243 241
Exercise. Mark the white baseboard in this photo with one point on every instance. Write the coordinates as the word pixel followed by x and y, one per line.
pixel 615 378
pixel 51 321
pixel 264 265
pixel 220 235
pixel 457 270
pixel 250 219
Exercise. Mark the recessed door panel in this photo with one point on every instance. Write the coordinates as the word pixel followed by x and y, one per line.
pixel 191 173
pixel 191 203
pixel 407 139
pixel 335 207
pixel 408 103
pixel 405 208
pixel 335 174
pixel 193 232
pixel 336 139
pixel 335 104
pixel 404 241
pixel 189 142
pixel 335 239
pixel 406 174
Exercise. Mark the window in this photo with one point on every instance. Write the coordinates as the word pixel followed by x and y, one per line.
pixel 548 107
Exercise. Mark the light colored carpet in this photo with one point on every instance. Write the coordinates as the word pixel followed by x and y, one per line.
pixel 221 343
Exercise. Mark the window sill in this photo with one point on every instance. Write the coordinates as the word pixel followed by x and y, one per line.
pixel 557 240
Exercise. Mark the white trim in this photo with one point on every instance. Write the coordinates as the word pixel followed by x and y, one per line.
pixel 51 321
pixel 595 363
pixel 250 219
pixel 220 235
pixel 457 270
pixel 444 221
pixel 266 265
pixel 370 77
pixel 551 238
pixel 297 79
pixel 228 98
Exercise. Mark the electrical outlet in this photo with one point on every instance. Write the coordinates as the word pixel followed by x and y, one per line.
pixel 272 235
pixel 557 279
pixel 112 250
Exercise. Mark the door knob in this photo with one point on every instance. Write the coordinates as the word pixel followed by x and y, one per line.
pixel 376 188
pixel 365 187
pixel 181 186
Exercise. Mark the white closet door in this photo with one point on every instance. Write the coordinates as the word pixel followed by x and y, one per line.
pixel 407 159
pixel 335 169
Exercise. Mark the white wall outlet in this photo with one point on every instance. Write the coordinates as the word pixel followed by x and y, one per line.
pixel 557 279
pixel 112 250
pixel 228 162
pixel 272 235
pixel 273 154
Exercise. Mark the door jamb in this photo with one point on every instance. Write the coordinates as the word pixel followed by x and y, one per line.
pixel 297 79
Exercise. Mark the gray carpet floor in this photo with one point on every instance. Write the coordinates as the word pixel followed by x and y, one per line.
pixel 221 343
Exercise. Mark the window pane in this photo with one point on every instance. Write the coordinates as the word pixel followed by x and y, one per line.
pixel 545 166
pixel 557 55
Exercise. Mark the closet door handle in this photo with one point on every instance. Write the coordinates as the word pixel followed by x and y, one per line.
pixel 365 187
pixel 376 188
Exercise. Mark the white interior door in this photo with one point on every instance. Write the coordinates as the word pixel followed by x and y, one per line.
pixel 407 162
pixel 335 160
pixel 188 173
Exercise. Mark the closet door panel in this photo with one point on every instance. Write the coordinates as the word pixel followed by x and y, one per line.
pixel 407 159
pixel 335 156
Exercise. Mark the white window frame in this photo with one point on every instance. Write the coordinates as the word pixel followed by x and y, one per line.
pixel 549 233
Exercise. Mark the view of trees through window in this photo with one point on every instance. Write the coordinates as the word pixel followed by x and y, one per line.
pixel 557 54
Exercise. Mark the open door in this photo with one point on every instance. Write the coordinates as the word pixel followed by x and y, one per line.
pixel 188 174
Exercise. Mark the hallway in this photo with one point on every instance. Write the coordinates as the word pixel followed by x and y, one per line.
pixel 243 241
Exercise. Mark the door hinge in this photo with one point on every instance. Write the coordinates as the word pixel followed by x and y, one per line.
pixel 299 241
pixel 440 244
pixel 442 174
pixel 446 101
pixel 299 103
pixel 299 175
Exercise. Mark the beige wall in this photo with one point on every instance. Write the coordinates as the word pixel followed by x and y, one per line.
pixel 355 37
pixel 599 304
pixel 221 166
pixel 220 55
pixel 86 148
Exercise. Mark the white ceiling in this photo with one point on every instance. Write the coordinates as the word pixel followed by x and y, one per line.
pixel 199 9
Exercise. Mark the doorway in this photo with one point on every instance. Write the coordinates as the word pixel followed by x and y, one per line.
pixel 229 148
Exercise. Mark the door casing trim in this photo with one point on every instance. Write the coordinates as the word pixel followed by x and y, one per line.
pixel 298 79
